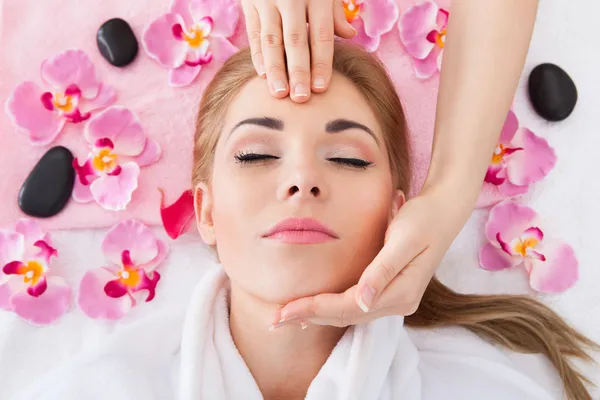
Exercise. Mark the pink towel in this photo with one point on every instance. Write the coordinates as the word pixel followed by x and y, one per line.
pixel 33 30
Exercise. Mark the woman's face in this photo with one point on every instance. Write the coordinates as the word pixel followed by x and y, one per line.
pixel 321 169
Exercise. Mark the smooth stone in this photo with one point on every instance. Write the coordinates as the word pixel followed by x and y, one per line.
pixel 116 42
pixel 48 187
pixel 552 92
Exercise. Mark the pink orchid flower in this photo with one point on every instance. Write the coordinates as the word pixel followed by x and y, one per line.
pixel 514 238
pixel 119 147
pixel 41 114
pixel 423 33
pixel 191 35
pixel 109 292
pixel 371 19
pixel 25 285
pixel 520 159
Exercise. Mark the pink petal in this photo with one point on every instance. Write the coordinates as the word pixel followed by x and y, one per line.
pixel 27 112
pixel 221 48
pixel 39 288
pixel 510 220
pixel 183 75
pixel 114 192
pixel 163 252
pixel 72 67
pixel 86 174
pixel 362 39
pixel 493 174
pixel 442 18
pixel 13 267
pixel 82 193
pixel 30 229
pixel 115 289
pixel 106 97
pixel 507 189
pixel 133 236
pixel 12 247
pixel 149 155
pixel 494 259
pixel 511 124
pixel 148 282
pixel 121 126
pixel 160 43
pixel 46 251
pixel 225 14
pixel 414 25
pixel 205 25
pixel 94 302
pixel 181 8
pixel 505 246
pixel 533 233
pixel 46 308
pixel 379 16
pixel 176 218
pixel 533 163
pixel 429 66
pixel 558 273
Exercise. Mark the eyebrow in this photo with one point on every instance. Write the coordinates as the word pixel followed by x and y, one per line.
pixel 267 122
pixel 340 125
pixel 334 126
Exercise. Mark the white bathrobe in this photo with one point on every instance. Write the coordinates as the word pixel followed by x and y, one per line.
pixel 191 356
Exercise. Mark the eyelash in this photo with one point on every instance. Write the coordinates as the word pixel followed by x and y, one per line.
pixel 246 158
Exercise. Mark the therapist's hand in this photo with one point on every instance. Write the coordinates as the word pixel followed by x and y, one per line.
pixel 282 47
pixel 394 283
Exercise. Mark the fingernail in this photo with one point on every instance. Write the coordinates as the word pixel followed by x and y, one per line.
pixel 261 70
pixel 287 318
pixel 279 86
pixel 353 30
pixel 303 325
pixel 319 82
pixel 366 298
pixel 301 90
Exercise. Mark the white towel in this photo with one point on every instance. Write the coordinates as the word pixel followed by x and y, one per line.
pixel 168 357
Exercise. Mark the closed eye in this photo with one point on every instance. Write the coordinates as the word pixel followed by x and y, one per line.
pixel 352 162
pixel 246 158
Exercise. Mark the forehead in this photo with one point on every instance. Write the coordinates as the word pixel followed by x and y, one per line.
pixel 341 100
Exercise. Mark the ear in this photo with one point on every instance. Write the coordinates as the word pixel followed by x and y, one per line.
pixel 203 205
pixel 398 201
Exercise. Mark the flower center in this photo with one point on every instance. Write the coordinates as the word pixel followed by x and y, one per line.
pixel 63 102
pixel 351 9
pixel 105 161
pixel 129 277
pixel 198 33
pixel 524 247
pixel 440 39
pixel 32 272
pixel 498 154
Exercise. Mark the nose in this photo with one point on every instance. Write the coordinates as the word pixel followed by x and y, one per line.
pixel 314 191
pixel 303 181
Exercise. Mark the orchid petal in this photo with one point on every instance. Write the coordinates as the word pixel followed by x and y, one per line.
pixel 133 236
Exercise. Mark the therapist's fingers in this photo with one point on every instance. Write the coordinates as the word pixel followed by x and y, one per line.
pixel 399 250
pixel 295 40
pixel 272 49
pixel 326 309
pixel 253 31
pixel 320 22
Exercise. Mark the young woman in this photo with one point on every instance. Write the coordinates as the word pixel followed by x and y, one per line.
pixel 295 200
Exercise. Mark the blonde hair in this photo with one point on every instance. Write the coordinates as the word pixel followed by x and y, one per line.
pixel 519 323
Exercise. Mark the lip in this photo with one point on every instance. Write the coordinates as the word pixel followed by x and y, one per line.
pixel 301 231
